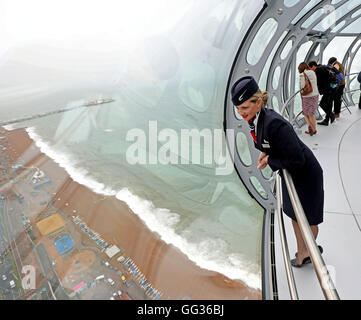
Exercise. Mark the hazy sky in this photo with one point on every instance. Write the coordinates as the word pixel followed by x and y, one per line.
pixel 24 21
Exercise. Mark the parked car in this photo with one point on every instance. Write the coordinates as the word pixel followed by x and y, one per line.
pixel 101 277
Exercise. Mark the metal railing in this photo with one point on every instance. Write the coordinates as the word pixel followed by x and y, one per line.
pixel 322 273
pixel 320 268
pixel 351 74
pixel 286 254
pixel 288 101
pixel 319 265
pixel 352 90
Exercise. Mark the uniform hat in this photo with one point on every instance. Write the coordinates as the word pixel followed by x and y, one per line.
pixel 332 60
pixel 243 89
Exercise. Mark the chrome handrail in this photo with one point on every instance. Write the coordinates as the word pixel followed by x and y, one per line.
pixel 288 101
pixel 352 90
pixel 286 254
pixel 320 268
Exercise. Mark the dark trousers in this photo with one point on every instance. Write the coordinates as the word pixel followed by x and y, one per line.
pixel 359 102
pixel 326 103
pixel 337 96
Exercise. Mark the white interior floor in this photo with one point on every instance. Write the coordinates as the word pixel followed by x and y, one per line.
pixel 338 149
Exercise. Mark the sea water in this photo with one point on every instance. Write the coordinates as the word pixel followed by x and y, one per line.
pixel 210 218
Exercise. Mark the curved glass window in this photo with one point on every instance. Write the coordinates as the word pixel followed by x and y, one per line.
pixel 313 18
pixel 276 77
pixel 317 50
pixel 290 3
pixel 329 20
pixel 267 172
pixel 275 104
pixel 356 66
pixel 197 85
pixel 265 71
pixel 128 193
pixel 333 15
pixel 354 27
pixel 338 27
pixel 243 149
pixel 337 48
pixel 356 13
pixel 302 52
pixel 286 49
pixel 258 187
pixel 261 40
pixel 307 8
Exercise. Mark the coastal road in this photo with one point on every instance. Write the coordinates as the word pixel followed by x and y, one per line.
pixel 12 235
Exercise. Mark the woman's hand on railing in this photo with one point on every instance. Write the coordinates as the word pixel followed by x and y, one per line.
pixel 262 161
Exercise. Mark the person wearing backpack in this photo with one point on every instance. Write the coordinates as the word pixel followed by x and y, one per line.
pixel 340 72
pixel 325 84
pixel 359 80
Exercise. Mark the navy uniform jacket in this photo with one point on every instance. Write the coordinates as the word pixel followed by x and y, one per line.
pixel 277 138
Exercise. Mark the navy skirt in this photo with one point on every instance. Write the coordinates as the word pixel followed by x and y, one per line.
pixel 309 186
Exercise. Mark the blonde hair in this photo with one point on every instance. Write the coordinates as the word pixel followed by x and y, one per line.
pixel 260 94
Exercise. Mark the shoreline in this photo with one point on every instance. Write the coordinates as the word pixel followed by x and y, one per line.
pixel 165 266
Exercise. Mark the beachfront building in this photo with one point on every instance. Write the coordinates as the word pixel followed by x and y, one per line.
pixel 166 169
pixel 112 251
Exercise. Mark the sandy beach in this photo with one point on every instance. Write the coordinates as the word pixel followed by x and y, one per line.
pixel 168 269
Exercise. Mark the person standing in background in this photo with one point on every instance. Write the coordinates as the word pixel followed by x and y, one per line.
pixel 310 100
pixel 337 96
pixel 325 89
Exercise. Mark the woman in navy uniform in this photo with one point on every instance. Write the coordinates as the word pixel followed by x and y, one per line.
pixel 282 149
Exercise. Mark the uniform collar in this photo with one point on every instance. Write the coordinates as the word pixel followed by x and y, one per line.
pixel 256 119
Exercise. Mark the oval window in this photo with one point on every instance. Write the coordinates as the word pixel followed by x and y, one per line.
pixel 338 27
pixel 290 3
pixel 267 172
pixel 243 149
pixel 317 50
pixel 287 48
pixel 356 13
pixel 312 19
pixel 258 187
pixel 275 104
pixel 261 40
pixel 276 77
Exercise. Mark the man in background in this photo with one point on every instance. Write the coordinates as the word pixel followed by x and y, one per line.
pixel 325 89
pixel 333 63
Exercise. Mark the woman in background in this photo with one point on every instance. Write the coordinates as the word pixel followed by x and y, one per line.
pixel 310 100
